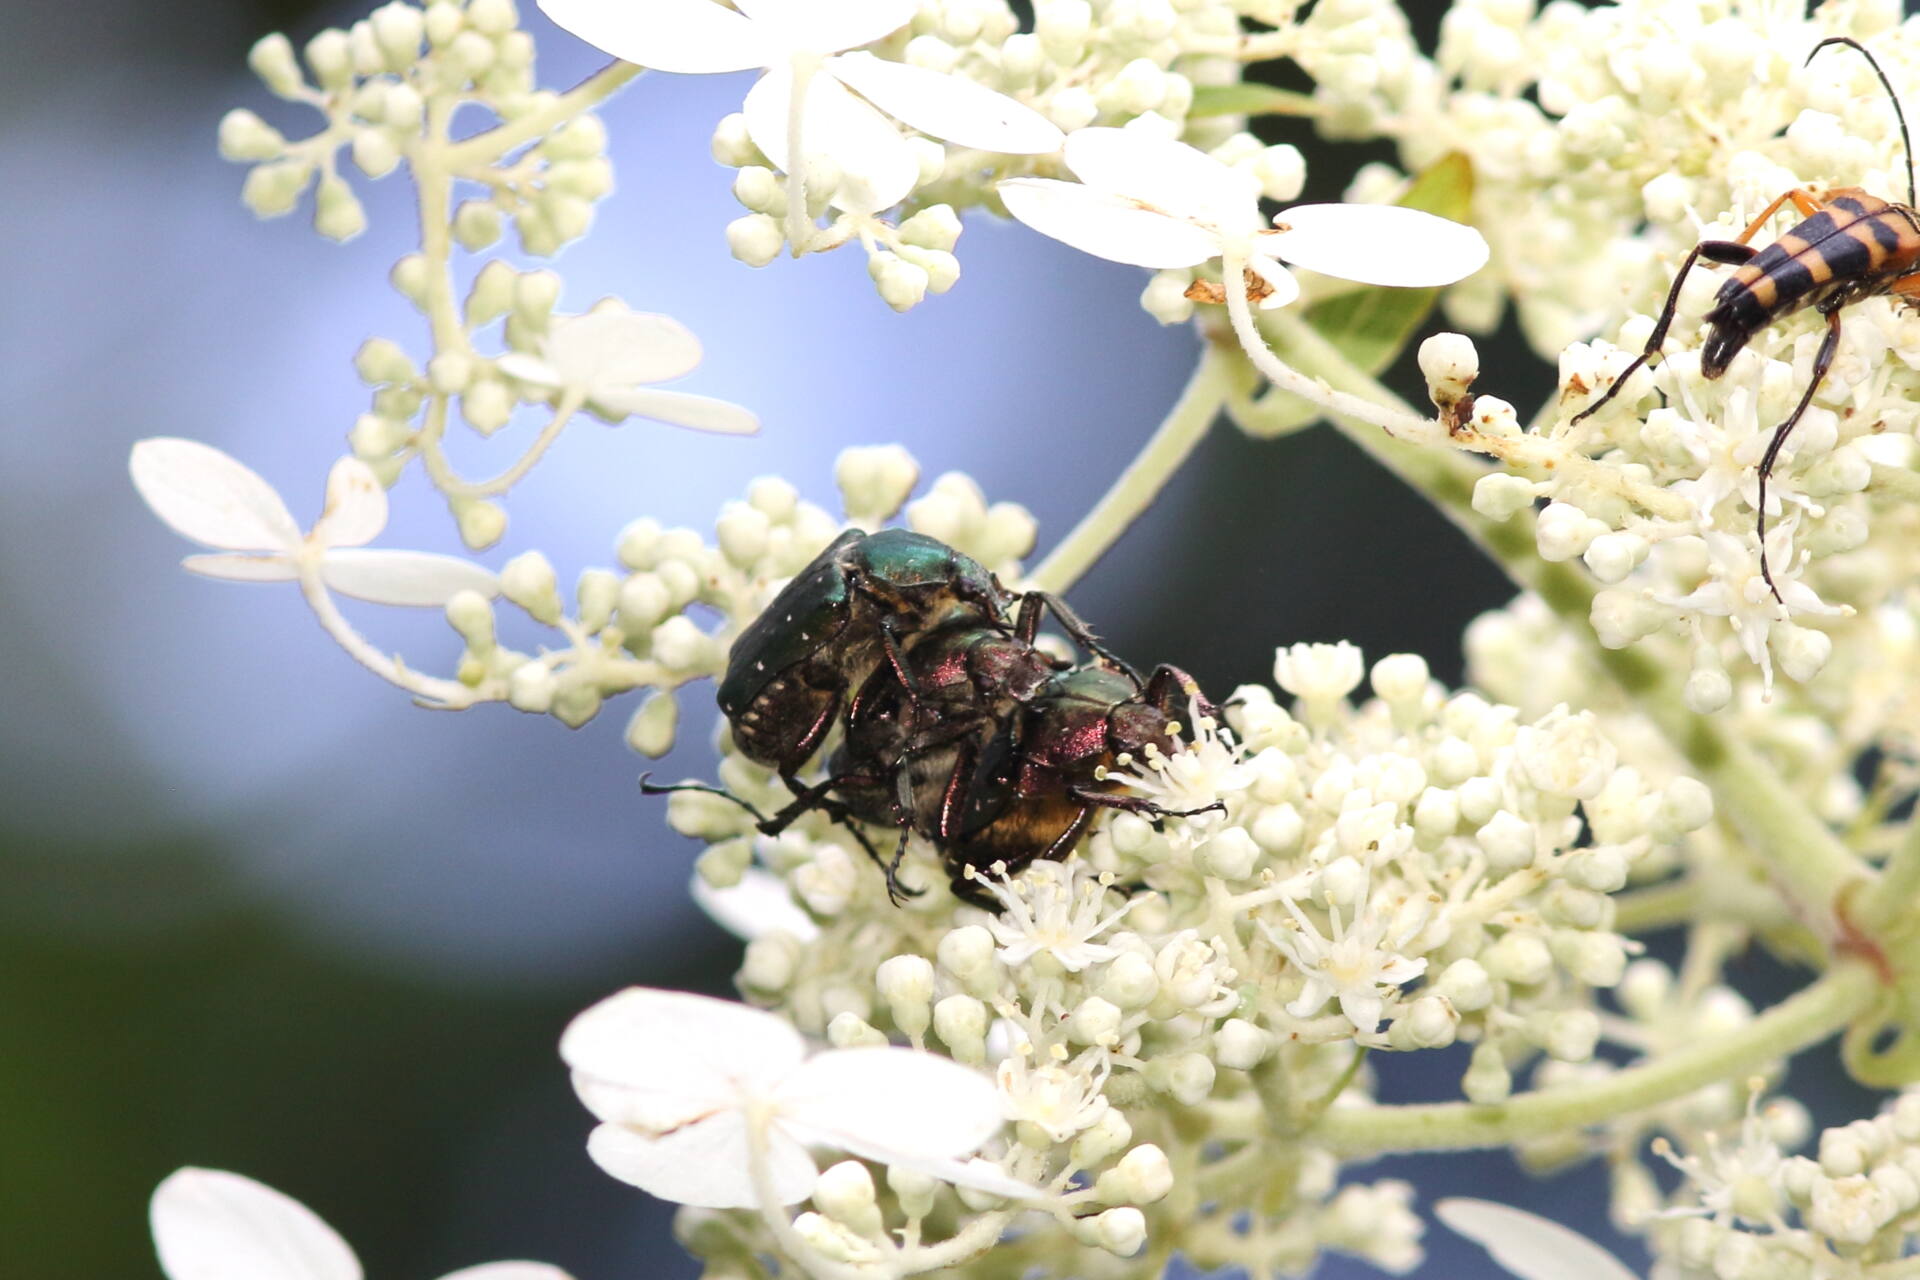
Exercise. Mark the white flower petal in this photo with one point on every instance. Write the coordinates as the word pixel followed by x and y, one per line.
pixel 1528 1245
pixel 416 579
pixel 615 347
pixel 528 368
pixel 205 495
pixel 1279 279
pixel 703 1164
pixel 213 1225
pixel 890 1104
pixel 981 1175
pixel 758 905
pixel 948 106
pixel 356 508
pixel 876 165
pixel 273 566
pixel 674 1044
pixel 682 409
pixel 689 36
pixel 1107 226
pixel 509 1271
pixel 1377 244
pixel 1168 175
pixel 828 26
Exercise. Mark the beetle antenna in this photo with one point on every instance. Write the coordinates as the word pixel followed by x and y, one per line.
pixel 1906 144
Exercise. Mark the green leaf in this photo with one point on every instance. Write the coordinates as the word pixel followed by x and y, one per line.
pixel 1372 325
pixel 1249 100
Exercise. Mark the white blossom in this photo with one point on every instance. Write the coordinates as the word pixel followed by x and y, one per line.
pixel 203 494
pixel 692 1091
pixel 841 119
pixel 1154 202
pixel 1054 907
pixel 1358 965
pixel 1528 1245
pixel 212 1225
pixel 607 357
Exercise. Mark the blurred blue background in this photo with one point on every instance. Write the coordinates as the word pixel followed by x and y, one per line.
pixel 259 912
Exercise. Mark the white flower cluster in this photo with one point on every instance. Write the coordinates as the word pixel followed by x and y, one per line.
pixel 1402 874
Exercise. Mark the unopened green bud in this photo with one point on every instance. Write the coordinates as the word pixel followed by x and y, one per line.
pixel 245 136
pixel 528 580
pixel 271 58
pixel 274 188
pixel 337 213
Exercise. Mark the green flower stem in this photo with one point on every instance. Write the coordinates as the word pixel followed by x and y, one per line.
pixel 1805 1019
pixel 1172 442
pixel 1806 860
pixel 484 148
pixel 1892 901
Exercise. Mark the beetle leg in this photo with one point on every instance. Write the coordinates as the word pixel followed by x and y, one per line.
pixel 651 788
pixel 897 660
pixel 1726 252
pixel 1082 634
pixel 1138 804
pixel 1822 361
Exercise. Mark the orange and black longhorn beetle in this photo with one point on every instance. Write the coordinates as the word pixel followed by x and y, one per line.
pixel 1853 246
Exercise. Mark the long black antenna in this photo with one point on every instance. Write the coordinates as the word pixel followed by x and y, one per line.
pixel 1906 145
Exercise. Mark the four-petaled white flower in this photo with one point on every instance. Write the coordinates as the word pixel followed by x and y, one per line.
pixel 1529 1245
pixel 212 1225
pixel 205 495
pixel 692 1093
pixel 1356 966
pixel 807 39
pixel 608 356
pixel 1207 770
pixel 1154 202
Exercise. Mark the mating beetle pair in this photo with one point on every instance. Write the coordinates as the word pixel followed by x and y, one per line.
pixel 957 727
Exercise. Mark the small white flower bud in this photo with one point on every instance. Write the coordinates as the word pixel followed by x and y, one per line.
pixel 1279 829
pixel 1063 27
pixel 271 58
pixel 1563 531
pixel 1465 985
pixel 1343 883
pixel 492 17
pixel 1478 797
pixel 531 687
pixel 1073 107
pixel 1848 1210
pixel 337 213
pixel 481 523
pixel 535 293
pixel 1186 1077
pixel 1612 556
pixel 380 360
pixel 1231 854
pixel 1121 1232
pixel 961 1023
pixel 410 278
pixel 528 580
pixel 1281 170
pixel 1501 495
pixel 575 702
pixel 245 136
pixel 1129 981
pixel 1800 651
pixel 1508 841
pixel 450 371
pixel 645 601
pixel 1685 805
pixel 760 189
pixel 1449 363
pixel 935 227
pixel 1165 297
pixel 770 962
pixel 874 481
pixel 755 239
pixel 1708 689
pixel 742 532
pixel 1841 1154
pixel 913 1189
pixel 1400 678
pixel 374 152
pixel 1108 1134
pixel 1602 869
pixel 469 614
pixel 398 29
pixel 1435 817
pixel 1431 1023
pixel 942 268
pixel 274 188
pixel 330 58
pixel 1906 1117
pixel 1487 1079
pixel 732 146
pixel 492 293
pixel 1572 1035
pixel 968 954
pixel 848 1030
pixel 1239 1045
pixel 680 644
pixel 1620 616
pixel 844 1192
pixel 901 285
pixel 444 21
pixel 1142 1176
pixel 1520 958
pixel 598 595
pixel 476 224
pixel 1320 675
pixel 1095 1022
pixel 905 982
pixel 651 730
